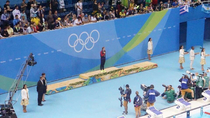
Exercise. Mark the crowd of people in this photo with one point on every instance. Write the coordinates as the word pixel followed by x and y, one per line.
pixel 30 17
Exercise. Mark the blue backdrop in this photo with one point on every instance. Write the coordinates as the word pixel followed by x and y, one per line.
pixel 195 33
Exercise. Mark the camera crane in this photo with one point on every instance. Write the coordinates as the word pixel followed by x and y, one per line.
pixel 7 108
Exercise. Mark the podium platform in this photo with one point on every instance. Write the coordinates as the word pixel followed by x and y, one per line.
pixel 98 76
pixel 65 85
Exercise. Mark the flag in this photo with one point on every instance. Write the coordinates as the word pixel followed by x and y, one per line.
pixel 205 8
pixel 184 9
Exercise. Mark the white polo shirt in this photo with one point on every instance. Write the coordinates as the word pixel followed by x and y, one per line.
pixel 203 55
pixel 181 53
pixel 150 45
pixel 192 54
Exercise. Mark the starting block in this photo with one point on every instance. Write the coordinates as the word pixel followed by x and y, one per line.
pixel 182 104
pixel 206 95
pixel 154 113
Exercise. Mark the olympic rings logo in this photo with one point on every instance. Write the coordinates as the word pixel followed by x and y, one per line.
pixel 83 43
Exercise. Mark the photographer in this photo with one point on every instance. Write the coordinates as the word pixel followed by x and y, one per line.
pixel 137 104
pixel 169 94
pixel 126 98
pixel 206 82
pixel 199 82
pixel 151 94
pixel 185 84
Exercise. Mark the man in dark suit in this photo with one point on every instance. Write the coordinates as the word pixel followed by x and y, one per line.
pixel 40 90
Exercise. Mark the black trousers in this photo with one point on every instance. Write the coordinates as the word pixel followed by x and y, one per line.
pixel 103 59
pixel 198 92
pixel 40 95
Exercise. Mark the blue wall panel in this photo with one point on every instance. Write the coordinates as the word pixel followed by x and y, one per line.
pixel 195 33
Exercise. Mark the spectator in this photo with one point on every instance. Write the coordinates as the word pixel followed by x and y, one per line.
pixel 42 21
pixel 66 21
pixel 23 5
pixel 78 21
pixel 131 7
pixel 150 8
pixel 1 37
pixel 50 21
pixel 154 3
pixel 73 19
pixel 10 30
pixel 106 17
pixel 93 18
pixel 175 4
pixel 99 16
pixel 5 17
pixel 40 27
pixel 85 19
pixel 122 14
pixel 17 29
pixel 35 20
pixel 23 14
pixel 141 9
pixel 62 5
pixel 95 7
pixel 15 12
pixel 55 16
pixel 117 14
pixel 25 30
pixel 33 11
pixel 147 3
pixel 53 5
pixel 16 20
pixel 7 6
pixel 79 7
pixel 161 6
pixel 4 33
pixel 58 24
pixel 29 29
pixel 40 11
pixel 112 14
pixel 168 4
pixel 30 2
pixel 35 28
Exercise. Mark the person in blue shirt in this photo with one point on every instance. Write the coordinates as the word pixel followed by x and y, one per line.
pixel 185 82
pixel 16 20
pixel 137 104
pixel 126 98
pixel 151 94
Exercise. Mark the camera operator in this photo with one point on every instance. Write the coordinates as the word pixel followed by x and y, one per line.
pixel 126 98
pixel 206 82
pixel 151 94
pixel 169 94
pixel 199 79
pixel 137 104
pixel 185 84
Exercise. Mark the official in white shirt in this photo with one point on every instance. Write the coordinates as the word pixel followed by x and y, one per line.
pixel 25 97
pixel 149 48
pixel 192 57
pixel 181 56
pixel 203 60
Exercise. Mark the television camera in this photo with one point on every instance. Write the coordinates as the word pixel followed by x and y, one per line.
pixel 145 89
pixel 122 92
